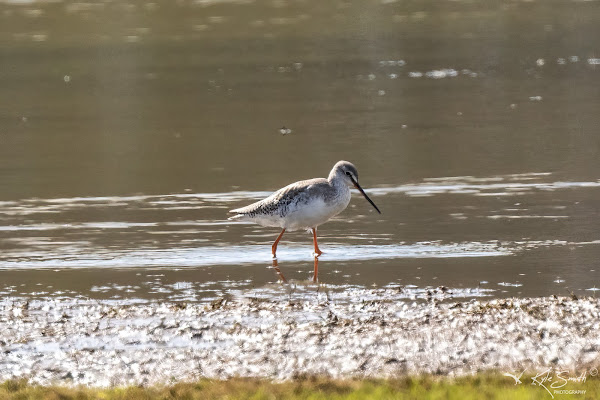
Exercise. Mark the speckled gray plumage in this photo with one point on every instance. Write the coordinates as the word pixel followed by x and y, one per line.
pixel 292 195
pixel 304 204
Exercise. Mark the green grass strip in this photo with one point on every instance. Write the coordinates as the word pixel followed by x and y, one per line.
pixel 488 386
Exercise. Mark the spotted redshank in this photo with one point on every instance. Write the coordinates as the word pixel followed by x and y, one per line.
pixel 305 204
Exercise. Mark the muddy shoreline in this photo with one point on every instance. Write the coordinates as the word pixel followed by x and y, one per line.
pixel 103 343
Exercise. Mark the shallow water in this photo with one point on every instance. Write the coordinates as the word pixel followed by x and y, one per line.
pixel 128 130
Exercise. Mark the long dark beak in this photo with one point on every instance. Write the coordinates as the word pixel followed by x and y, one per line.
pixel 356 185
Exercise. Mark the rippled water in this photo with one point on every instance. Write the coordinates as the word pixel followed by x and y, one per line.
pixel 515 233
pixel 129 129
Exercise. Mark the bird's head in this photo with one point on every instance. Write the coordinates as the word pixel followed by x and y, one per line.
pixel 346 172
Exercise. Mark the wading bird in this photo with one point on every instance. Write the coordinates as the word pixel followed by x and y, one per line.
pixel 305 204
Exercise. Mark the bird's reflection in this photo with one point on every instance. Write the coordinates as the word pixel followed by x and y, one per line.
pixel 316 273
pixel 278 271
pixel 281 277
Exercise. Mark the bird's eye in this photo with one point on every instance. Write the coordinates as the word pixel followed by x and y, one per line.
pixel 348 173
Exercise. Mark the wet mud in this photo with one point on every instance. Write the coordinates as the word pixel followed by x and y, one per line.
pixel 105 343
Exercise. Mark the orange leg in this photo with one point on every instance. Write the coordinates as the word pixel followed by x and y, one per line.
pixel 274 247
pixel 317 251
pixel 316 275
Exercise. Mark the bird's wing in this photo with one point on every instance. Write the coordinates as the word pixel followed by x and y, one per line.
pixel 295 192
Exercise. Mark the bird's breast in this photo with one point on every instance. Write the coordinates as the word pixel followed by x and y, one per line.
pixel 313 211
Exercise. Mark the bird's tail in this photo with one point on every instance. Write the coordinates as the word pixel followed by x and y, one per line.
pixel 236 217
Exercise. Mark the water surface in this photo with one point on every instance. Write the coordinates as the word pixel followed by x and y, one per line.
pixel 128 129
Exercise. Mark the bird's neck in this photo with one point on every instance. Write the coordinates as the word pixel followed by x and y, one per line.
pixel 342 192
pixel 338 183
pixel 332 175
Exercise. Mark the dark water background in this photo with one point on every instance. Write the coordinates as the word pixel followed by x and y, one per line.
pixel 128 129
